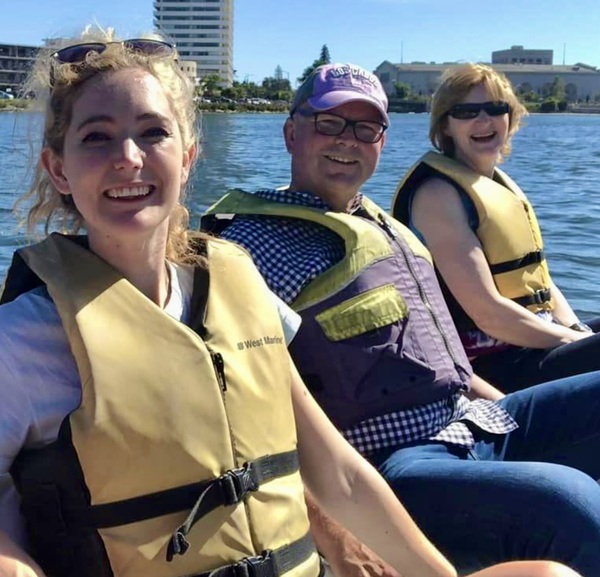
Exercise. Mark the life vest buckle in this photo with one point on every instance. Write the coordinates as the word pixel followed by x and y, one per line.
pixel 538 298
pixel 258 566
pixel 236 483
pixel 541 296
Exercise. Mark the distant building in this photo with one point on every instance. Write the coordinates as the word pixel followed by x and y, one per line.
pixel 520 55
pixel 202 31
pixel 15 62
pixel 582 82
pixel 190 69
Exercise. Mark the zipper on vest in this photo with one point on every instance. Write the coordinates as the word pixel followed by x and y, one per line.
pixel 219 366
pixel 393 234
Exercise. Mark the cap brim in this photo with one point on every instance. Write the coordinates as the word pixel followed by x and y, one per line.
pixel 338 97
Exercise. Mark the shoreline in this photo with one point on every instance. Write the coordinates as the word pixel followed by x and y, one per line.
pixel 23 106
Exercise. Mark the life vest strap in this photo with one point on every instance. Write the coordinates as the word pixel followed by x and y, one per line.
pixel 48 508
pixel 537 298
pixel 530 258
pixel 270 563
pixel 229 489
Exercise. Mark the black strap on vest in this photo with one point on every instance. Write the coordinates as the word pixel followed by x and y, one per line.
pixel 200 292
pixel 537 298
pixel 534 257
pixel 230 489
pixel 270 563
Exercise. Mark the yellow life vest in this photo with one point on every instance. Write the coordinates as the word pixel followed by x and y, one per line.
pixel 508 229
pixel 163 414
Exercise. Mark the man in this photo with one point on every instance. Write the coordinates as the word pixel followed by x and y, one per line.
pixel 486 480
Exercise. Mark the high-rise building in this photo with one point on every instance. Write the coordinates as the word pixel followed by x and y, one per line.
pixel 202 31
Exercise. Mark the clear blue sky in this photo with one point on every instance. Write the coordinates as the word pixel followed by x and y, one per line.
pixel 290 33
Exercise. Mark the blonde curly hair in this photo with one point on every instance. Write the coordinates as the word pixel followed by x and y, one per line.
pixel 57 86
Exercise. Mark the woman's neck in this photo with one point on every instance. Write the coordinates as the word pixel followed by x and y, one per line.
pixel 142 263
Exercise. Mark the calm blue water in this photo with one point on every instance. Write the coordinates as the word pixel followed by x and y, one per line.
pixel 556 160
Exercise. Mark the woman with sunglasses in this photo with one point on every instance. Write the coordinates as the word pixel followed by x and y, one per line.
pixel 515 323
pixel 151 419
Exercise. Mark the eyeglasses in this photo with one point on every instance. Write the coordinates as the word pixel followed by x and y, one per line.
pixel 469 110
pixel 329 124
pixel 147 46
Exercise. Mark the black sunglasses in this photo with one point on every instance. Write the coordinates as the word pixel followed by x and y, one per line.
pixel 330 124
pixel 469 110
pixel 147 46
pixel 77 53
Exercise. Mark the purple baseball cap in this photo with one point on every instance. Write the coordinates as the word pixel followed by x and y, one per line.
pixel 332 85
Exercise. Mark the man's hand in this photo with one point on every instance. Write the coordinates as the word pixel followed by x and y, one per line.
pixel 345 554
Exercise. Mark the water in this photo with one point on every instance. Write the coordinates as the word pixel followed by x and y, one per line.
pixel 556 160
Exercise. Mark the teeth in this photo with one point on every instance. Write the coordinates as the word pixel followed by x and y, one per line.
pixel 340 159
pixel 128 192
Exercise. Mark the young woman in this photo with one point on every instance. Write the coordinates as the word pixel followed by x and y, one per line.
pixel 151 420
pixel 515 323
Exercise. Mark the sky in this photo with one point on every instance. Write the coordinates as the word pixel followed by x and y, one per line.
pixel 290 33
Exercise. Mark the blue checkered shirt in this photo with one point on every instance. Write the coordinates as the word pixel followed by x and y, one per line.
pixel 290 253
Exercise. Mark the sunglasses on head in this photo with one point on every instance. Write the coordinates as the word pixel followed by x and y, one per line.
pixel 146 46
pixel 77 53
pixel 469 110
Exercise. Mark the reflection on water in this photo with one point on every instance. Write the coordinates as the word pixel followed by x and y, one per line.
pixel 239 151
pixel 556 160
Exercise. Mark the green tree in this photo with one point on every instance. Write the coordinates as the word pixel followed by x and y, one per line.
pixel 549 105
pixel 324 58
pixel 530 96
pixel 571 92
pixel 236 92
pixel 523 88
pixel 277 88
pixel 253 90
pixel 557 89
pixel 403 90
pixel 210 86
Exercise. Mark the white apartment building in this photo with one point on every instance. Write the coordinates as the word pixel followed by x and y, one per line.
pixel 202 31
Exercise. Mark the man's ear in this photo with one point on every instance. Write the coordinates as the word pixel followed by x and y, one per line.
pixel 53 165
pixel 289 134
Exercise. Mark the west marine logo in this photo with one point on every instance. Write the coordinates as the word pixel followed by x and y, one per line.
pixel 253 343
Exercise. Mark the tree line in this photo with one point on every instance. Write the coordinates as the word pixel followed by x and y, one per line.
pixel 276 89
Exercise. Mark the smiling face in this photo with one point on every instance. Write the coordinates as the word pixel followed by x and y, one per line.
pixel 123 160
pixel 478 142
pixel 332 167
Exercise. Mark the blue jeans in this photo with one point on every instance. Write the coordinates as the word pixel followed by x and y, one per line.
pixel 529 494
